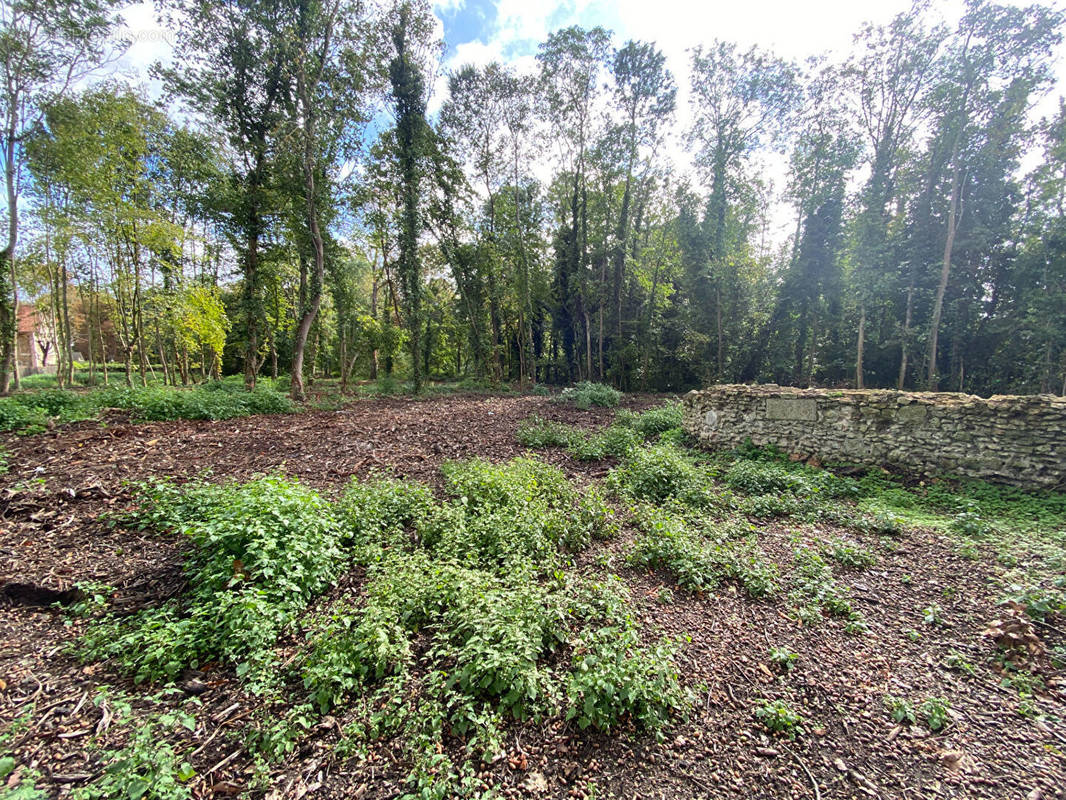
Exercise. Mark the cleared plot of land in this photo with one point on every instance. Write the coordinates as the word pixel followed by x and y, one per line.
pixel 825 646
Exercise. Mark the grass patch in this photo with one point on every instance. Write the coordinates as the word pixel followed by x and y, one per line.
pixel 33 412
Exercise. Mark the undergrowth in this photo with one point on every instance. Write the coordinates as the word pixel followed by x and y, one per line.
pixel 34 411
pixel 586 394
pixel 468 617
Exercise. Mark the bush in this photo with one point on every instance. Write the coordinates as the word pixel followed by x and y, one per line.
pixel 613 678
pixel 537 432
pixel 586 394
pixel 383 505
pixel 147 768
pixel 660 473
pixel 814 586
pixel 614 441
pixel 17 416
pixel 218 400
pixel 668 543
pixel 261 551
pixel 484 486
pixel 777 717
pixel 654 421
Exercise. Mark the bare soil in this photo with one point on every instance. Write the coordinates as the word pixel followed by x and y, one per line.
pixel 54 533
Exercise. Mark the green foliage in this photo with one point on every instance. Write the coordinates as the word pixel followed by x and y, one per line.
pixel 219 400
pixel 659 473
pixel 586 394
pixel 615 441
pixel 778 717
pixel 147 768
pixel 970 524
pixel 901 711
pixel 813 585
pixel 764 477
pixel 372 508
pixel 1039 602
pixel 261 551
pixel 958 662
pixel 654 421
pixel 465 623
pixel 935 713
pixel 613 679
pixel 32 412
pixel 25 789
pixel 783 658
pixel 669 542
pixel 538 433
pixel 933 615
pixel 850 554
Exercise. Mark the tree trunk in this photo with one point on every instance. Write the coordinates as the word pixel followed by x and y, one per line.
pixel 859 347
pixel 942 286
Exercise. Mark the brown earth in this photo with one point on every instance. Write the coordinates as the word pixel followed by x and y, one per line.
pixel 53 534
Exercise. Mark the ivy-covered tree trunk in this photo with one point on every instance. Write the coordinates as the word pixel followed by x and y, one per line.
pixel 408 91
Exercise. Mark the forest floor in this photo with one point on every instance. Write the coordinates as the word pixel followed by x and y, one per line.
pixel 927 602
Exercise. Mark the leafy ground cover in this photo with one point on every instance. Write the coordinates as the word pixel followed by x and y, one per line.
pixel 484 595
pixel 35 411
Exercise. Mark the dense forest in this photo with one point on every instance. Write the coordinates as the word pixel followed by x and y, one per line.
pixel 289 204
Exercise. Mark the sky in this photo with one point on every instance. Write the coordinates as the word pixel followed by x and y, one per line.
pixel 481 31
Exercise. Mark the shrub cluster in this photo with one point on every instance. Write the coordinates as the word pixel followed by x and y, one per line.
pixel 260 552
pixel 699 563
pixel 466 617
pixel 32 412
pixel 660 473
pixel 586 394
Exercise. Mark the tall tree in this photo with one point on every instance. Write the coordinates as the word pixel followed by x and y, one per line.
pixel 645 94
pixel 330 75
pixel 411 28
pixel 892 72
pixel 46 48
pixel 230 66
pixel 741 100
pixel 571 62
pixel 999 54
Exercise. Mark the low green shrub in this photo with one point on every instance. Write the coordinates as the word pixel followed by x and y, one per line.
pixel 586 394
pixel 1039 602
pixel 659 473
pixel 778 717
pixel 814 586
pixel 850 554
pixel 147 768
pixel 31 412
pixel 654 421
pixel 482 485
pixel 668 542
pixel 614 442
pixel 614 678
pixel 536 432
pixel 261 551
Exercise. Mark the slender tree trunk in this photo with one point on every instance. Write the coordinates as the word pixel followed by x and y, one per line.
pixel 859 348
pixel 317 246
pixel 941 289
pixel 9 302
pixel 905 345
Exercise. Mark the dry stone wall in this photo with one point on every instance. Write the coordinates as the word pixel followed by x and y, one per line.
pixel 1019 440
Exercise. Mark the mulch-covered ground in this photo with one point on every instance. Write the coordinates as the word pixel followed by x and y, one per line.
pixel 52 535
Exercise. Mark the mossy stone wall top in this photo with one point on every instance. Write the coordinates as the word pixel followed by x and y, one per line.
pixel 1019 440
